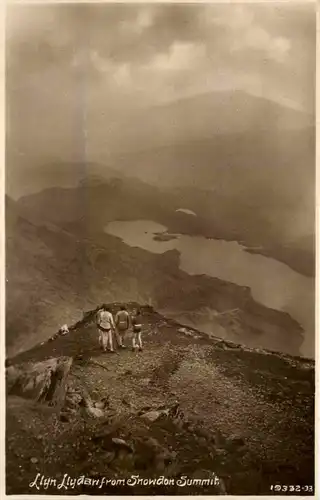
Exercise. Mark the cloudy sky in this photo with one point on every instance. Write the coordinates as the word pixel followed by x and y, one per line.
pixel 66 63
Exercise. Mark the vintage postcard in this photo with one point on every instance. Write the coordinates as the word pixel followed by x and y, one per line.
pixel 160 248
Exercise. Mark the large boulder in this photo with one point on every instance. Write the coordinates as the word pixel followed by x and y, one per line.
pixel 44 381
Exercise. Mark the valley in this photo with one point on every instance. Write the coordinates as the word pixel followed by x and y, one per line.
pixel 189 178
pixel 60 261
pixel 162 158
pixel 272 284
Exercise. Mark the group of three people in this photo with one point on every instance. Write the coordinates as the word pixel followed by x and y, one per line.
pixel 119 326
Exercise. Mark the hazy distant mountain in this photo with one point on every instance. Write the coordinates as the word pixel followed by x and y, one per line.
pixel 53 275
pixel 257 158
pixel 25 175
pixel 270 173
pixel 253 154
pixel 205 116
pixel 265 219
pixel 244 165
pixel 174 142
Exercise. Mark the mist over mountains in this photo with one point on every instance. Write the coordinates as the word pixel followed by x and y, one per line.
pixel 59 260
pixel 252 154
pixel 201 117
pixel 162 157
pixel 244 165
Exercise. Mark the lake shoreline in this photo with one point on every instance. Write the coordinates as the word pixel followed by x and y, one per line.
pixel 273 284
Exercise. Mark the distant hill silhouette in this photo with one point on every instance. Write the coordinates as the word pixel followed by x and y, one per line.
pixel 226 213
pixel 54 274
pixel 204 116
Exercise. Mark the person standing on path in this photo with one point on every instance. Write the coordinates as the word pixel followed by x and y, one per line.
pixel 105 325
pixel 122 321
pixel 137 330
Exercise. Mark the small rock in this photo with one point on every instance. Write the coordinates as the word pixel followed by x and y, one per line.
pixel 144 409
pixel 185 331
pixel 121 443
pixel 94 412
pixel 100 404
pixel 145 381
pixel 73 399
pixel 64 330
pixel 126 402
pixel 152 416
pixel 205 434
pixel 236 441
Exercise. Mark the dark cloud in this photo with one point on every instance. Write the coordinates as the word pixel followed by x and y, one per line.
pixel 67 61
pixel 40 36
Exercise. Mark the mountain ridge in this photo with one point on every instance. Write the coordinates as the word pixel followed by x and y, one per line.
pixel 53 275
pixel 130 198
pixel 241 94
pixel 187 406
pixel 194 117
pixel 88 317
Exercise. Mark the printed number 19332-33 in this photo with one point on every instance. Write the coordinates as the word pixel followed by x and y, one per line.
pixel 291 488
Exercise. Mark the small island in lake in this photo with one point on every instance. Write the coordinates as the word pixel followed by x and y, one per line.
pixel 164 237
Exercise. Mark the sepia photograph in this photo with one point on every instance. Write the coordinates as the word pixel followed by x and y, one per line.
pixel 160 259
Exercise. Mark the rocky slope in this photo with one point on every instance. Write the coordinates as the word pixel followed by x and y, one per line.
pixel 188 406
pixel 53 275
pixel 227 212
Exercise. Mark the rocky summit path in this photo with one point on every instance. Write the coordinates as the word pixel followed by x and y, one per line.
pixel 188 415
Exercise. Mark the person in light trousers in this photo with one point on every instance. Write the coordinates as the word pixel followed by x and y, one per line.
pixel 105 326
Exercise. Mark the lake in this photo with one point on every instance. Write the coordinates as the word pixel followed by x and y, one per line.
pixel 272 283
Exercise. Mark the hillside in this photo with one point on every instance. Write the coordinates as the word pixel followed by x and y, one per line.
pixel 188 406
pixel 203 116
pixel 250 154
pixel 53 275
pixel 225 214
pixel 252 180
pixel 244 164
pixel 26 176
